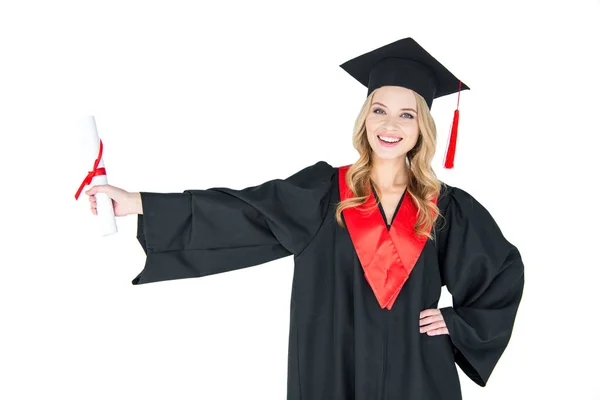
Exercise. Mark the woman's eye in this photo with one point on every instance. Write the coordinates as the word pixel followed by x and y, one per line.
pixel 410 116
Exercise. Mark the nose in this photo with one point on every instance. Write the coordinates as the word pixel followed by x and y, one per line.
pixel 391 126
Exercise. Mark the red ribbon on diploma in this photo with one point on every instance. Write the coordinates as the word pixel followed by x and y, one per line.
pixel 94 172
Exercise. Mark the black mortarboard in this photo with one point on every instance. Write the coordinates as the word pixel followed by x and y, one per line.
pixel 405 63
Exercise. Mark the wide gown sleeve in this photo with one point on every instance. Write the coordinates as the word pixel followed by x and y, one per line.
pixel 484 273
pixel 203 232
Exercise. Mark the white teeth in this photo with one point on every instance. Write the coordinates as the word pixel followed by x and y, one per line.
pixel 389 139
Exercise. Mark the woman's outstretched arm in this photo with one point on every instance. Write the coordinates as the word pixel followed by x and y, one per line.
pixel 203 232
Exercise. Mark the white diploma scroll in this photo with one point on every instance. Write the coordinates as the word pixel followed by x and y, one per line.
pixel 90 147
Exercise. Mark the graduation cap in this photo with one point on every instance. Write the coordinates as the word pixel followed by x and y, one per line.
pixel 405 63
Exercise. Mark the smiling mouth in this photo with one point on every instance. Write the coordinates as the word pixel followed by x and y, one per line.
pixel 388 139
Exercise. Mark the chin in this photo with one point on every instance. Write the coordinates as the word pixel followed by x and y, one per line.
pixel 387 155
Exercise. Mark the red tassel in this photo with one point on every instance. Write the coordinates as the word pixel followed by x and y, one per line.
pixel 449 162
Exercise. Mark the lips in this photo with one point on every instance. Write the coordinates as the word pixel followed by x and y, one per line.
pixel 389 141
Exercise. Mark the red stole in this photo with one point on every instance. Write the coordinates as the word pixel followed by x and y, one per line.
pixel 387 256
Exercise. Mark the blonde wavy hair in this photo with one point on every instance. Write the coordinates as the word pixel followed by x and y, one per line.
pixel 423 183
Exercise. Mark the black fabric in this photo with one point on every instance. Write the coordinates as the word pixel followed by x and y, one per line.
pixel 342 345
pixel 403 63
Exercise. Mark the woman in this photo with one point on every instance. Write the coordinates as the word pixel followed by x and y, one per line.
pixel 364 321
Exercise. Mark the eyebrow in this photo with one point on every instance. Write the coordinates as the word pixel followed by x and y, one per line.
pixel 408 109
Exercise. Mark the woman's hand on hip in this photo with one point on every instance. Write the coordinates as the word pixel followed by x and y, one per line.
pixel 432 322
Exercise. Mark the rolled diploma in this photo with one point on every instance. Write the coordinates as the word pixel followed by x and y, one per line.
pixel 90 144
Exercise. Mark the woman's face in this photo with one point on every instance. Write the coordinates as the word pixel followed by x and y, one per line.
pixel 392 127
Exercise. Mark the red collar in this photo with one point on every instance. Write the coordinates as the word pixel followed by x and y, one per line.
pixel 387 256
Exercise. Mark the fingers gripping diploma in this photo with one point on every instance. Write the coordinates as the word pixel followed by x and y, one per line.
pixel 432 322
pixel 123 202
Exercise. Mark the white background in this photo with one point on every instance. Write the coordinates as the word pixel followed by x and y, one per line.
pixel 236 93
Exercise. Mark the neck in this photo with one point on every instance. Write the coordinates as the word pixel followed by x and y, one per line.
pixel 389 174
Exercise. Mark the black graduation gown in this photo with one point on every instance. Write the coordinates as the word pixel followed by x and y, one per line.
pixel 342 344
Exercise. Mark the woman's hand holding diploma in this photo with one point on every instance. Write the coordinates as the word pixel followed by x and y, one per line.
pixel 124 202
